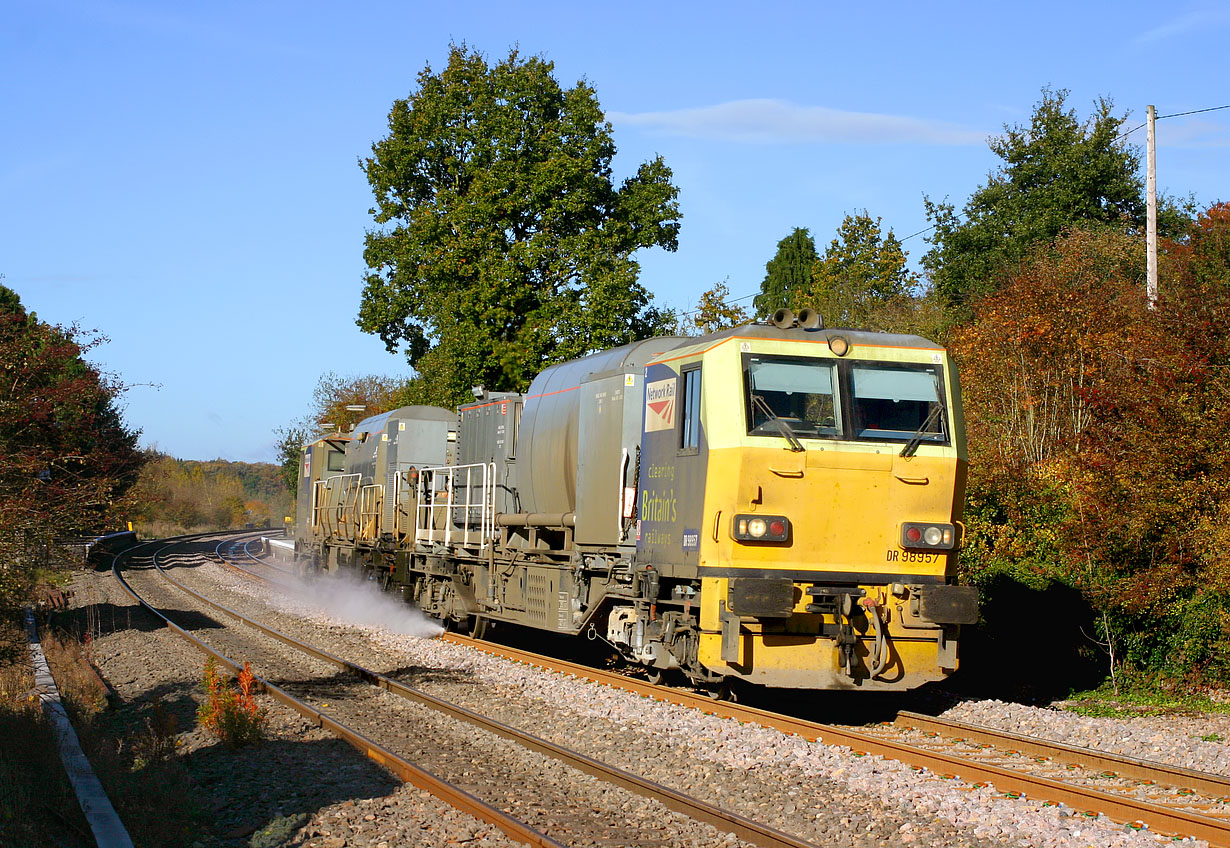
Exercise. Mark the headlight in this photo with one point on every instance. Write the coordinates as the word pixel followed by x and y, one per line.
pixel 919 536
pixel 760 528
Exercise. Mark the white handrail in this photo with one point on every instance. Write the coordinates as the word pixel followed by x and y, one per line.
pixel 371 505
pixel 447 501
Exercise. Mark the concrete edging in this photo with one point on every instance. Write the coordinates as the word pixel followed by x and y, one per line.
pixel 109 831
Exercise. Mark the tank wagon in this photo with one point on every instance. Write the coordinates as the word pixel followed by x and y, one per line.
pixel 356 491
pixel 775 503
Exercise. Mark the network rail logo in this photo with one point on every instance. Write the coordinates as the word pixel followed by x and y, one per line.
pixel 660 405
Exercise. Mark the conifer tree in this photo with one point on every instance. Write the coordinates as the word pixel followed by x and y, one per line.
pixel 788 271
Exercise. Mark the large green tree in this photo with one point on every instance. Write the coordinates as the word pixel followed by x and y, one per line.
pixel 787 272
pixel 502 242
pixel 861 273
pixel 1058 171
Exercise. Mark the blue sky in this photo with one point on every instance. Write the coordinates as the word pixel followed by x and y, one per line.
pixel 184 177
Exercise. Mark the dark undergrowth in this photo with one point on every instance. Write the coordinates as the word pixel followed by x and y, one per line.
pixel 132 748
pixel 37 804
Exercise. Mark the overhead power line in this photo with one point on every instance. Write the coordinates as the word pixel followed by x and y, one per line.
pixel 1193 112
pixel 920 232
pixel 729 302
pixel 1174 115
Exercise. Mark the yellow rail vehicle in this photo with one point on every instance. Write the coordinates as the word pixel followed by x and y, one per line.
pixel 776 503
pixel 814 485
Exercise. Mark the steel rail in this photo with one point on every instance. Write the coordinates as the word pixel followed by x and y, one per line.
pixel 268 560
pixel 1158 818
pixel 231 560
pixel 1210 785
pixel 744 828
pixel 405 770
pixel 262 560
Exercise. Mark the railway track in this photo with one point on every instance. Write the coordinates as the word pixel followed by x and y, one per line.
pixel 1139 793
pixel 237 553
pixel 1197 791
pixel 306 693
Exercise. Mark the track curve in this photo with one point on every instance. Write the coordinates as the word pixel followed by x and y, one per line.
pixel 745 829
pixel 405 770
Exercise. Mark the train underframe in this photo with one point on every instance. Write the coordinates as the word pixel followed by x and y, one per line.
pixel 839 637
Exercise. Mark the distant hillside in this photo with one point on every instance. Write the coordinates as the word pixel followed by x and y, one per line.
pixel 178 496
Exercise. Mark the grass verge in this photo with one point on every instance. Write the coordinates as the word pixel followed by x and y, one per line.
pixel 132 748
pixel 37 804
pixel 1140 695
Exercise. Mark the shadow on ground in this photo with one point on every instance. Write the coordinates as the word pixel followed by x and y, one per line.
pixel 1032 646
pixel 104 619
pixel 278 785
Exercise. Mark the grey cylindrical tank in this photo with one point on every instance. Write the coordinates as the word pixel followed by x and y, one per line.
pixel 547 443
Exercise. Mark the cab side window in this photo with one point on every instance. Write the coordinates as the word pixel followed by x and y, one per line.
pixel 689 414
pixel 336 461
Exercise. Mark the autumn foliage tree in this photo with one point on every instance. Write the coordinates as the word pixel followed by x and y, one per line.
pixel 69 460
pixel 1156 469
pixel 1097 432
pixel 334 393
pixel 176 496
pixel 859 278
pixel 1038 353
pixel 714 311
pixel 340 401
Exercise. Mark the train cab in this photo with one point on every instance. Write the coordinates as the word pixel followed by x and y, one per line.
pixel 812 480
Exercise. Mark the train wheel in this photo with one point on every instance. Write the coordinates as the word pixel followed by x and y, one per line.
pixel 478 626
pixel 653 675
pixel 719 691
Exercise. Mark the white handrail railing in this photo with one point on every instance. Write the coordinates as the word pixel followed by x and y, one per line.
pixel 448 498
pixel 371 505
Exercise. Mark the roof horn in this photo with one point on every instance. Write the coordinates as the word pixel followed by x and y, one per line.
pixel 783 319
pixel 809 319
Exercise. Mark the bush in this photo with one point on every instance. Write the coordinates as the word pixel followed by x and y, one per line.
pixel 1099 463
pixel 157 743
pixel 231 713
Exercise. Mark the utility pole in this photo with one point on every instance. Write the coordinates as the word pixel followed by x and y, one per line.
pixel 1151 226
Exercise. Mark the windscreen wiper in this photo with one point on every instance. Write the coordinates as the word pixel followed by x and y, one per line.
pixel 782 427
pixel 912 444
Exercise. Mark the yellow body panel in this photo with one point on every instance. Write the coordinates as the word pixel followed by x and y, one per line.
pixel 808 662
pixel 846 501
pixel 845 515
